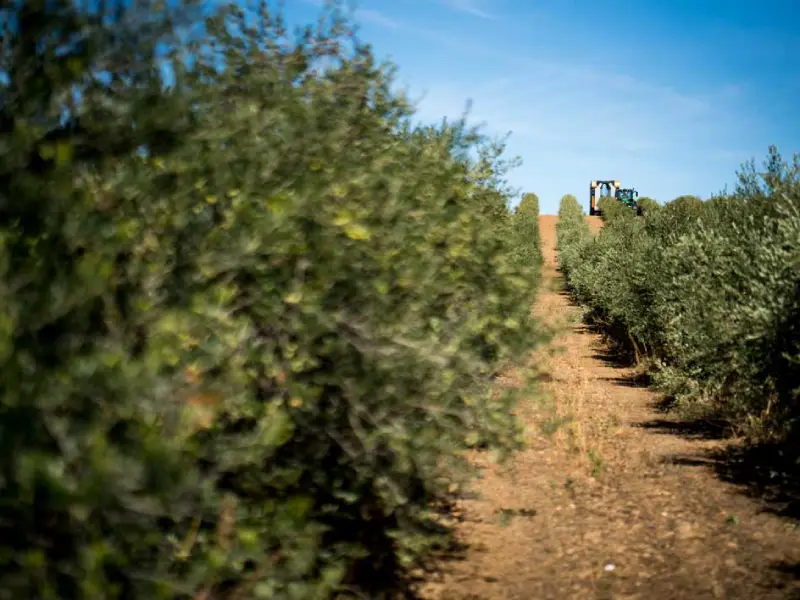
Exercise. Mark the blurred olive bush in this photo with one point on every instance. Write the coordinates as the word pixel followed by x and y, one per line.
pixel 708 291
pixel 527 242
pixel 249 310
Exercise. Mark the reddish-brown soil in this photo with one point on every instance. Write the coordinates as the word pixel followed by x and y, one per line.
pixel 612 498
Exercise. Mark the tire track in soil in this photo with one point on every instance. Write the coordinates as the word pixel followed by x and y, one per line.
pixel 606 506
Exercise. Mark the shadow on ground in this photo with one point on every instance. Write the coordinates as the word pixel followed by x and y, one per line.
pixel 450 550
pixel 696 429
pixel 766 472
pixel 792 571
pixel 763 472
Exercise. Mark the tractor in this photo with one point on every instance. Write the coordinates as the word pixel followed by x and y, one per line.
pixel 609 187
pixel 628 197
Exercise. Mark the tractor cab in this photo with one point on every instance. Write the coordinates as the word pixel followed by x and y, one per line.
pixel 628 197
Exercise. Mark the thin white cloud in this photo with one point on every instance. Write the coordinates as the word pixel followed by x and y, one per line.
pixel 559 109
pixel 567 107
pixel 593 82
pixel 367 15
pixel 377 18
pixel 475 8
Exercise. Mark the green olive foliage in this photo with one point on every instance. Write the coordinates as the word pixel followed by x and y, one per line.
pixel 527 237
pixel 647 204
pixel 249 311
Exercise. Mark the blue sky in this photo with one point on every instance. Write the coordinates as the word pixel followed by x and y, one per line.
pixel 669 97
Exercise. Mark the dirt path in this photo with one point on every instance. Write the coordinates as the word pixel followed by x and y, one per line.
pixel 618 501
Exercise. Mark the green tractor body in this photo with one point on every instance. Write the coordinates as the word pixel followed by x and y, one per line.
pixel 629 197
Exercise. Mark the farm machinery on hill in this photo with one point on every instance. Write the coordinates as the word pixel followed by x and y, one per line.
pixel 612 187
